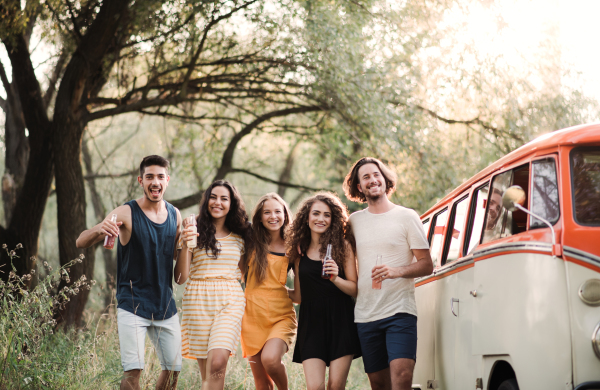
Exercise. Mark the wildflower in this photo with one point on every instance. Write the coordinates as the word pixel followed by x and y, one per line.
pixel 4 246
pixel 83 278
pixel 32 272
pixel 81 256
pixel 12 253
pixel 88 287
pixel 76 291
pixel 78 348
pixel 93 282
pixel 19 246
pixel 45 264
pixel 50 268
pixel 11 275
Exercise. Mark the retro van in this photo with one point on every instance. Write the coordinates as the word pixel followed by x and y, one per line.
pixel 514 299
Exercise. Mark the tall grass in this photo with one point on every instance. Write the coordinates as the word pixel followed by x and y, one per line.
pixel 34 355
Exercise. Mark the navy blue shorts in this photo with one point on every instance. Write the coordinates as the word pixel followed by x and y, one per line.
pixel 384 340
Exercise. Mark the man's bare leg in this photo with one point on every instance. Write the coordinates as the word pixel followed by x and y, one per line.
pixel 380 380
pixel 402 373
pixel 131 380
pixel 167 380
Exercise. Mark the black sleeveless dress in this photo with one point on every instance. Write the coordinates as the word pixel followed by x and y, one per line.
pixel 326 328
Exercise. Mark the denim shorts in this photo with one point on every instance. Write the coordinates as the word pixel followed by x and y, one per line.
pixel 164 334
pixel 384 340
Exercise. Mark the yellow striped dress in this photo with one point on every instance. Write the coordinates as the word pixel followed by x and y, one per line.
pixel 213 301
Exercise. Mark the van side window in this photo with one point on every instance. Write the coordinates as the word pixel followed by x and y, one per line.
pixel 458 217
pixel 439 222
pixel 477 215
pixel 499 222
pixel 544 193
pixel 585 184
pixel 426 224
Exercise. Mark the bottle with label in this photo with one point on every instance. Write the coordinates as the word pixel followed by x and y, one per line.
pixel 109 241
pixel 324 274
pixel 194 241
pixel 376 283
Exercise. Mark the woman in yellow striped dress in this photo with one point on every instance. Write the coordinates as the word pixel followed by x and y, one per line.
pixel 213 301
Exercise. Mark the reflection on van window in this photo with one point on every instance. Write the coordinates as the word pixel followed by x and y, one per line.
pixel 426 224
pixel 458 230
pixel 438 239
pixel 499 222
pixel 544 193
pixel 585 168
pixel 479 204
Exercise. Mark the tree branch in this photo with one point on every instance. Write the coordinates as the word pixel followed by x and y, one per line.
pixel 226 162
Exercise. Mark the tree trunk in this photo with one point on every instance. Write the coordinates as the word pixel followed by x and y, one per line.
pixel 28 211
pixel 110 261
pixel 16 155
pixel 86 65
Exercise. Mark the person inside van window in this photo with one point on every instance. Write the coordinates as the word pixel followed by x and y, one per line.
pixel 495 209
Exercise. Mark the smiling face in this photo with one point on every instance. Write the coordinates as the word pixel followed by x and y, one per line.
pixel 319 217
pixel 495 209
pixel 154 182
pixel 219 202
pixel 272 216
pixel 371 182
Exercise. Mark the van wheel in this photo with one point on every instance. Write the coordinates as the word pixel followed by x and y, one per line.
pixel 509 384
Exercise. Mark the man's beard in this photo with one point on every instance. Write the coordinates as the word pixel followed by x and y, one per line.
pixel 373 198
pixel 148 194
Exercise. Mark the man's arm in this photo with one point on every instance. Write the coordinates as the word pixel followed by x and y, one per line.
pixel 105 228
pixel 422 267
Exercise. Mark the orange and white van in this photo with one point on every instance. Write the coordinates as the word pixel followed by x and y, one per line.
pixel 506 309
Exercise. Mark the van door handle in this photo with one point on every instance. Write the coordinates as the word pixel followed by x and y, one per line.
pixel 452 306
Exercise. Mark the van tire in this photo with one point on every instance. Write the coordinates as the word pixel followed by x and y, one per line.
pixel 509 384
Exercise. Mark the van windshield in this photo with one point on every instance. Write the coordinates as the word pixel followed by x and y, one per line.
pixel 585 173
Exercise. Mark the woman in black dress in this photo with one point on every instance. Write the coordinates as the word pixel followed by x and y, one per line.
pixel 327 333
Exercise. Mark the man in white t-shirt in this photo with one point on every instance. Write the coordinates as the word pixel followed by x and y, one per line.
pixel 386 317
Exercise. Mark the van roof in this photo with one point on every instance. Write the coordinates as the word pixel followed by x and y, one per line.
pixel 581 134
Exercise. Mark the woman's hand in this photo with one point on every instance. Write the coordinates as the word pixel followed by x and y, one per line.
pixel 189 232
pixel 332 269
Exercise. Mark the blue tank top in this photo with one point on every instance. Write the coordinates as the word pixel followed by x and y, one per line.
pixel 145 266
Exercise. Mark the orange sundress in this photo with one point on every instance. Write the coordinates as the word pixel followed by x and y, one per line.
pixel 269 310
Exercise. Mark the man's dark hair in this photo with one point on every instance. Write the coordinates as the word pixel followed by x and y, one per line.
pixel 153 160
pixel 352 180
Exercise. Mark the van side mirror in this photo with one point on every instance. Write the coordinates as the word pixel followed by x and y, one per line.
pixel 513 199
pixel 513 196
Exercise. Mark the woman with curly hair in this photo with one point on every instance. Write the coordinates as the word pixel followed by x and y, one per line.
pixel 269 322
pixel 213 301
pixel 327 334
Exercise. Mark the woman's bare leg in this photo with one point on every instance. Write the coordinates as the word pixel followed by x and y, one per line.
pixel 338 372
pixel 214 372
pixel 262 381
pixel 271 356
pixel 314 373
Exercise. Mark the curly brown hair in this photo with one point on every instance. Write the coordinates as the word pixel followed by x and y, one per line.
pixel 261 237
pixel 352 180
pixel 338 233
pixel 236 220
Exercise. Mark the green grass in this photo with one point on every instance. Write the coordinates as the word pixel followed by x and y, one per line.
pixel 33 355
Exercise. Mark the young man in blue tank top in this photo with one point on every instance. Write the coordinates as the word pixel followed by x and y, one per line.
pixel 386 311
pixel 147 230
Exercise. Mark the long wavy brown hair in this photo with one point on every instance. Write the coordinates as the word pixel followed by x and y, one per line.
pixel 261 237
pixel 236 220
pixel 299 233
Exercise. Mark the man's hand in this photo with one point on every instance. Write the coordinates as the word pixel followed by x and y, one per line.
pixel 109 228
pixel 384 271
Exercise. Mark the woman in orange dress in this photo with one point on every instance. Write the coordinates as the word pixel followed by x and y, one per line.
pixel 269 322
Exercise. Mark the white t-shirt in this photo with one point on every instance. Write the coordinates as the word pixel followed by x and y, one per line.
pixel 391 234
